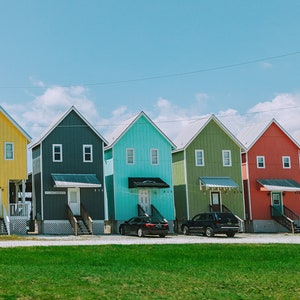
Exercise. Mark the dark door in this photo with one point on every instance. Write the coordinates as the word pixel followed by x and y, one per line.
pixel 215 198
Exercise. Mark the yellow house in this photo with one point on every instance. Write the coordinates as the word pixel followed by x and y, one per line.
pixel 13 172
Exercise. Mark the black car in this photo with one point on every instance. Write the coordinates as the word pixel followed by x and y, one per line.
pixel 144 225
pixel 211 223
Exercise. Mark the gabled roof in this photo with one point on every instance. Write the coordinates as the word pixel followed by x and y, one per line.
pixel 116 135
pixel 55 124
pixel 194 128
pixel 24 133
pixel 252 133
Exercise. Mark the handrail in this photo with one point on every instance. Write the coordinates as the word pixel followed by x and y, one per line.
pixel 155 213
pixel 19 209
pixel 86 218
pixel 141 211
pixel 289 213
pixel 72 220
pixel 282 219
pixel 6 219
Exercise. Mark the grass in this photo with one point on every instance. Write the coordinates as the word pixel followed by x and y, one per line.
pixel 212 271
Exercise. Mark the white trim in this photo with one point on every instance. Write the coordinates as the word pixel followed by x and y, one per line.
pixel 90 147
pixel 257 162
pixel 151 156
pixel 289 161
pixel 202 157
pixel 127 156
pixel 5 150
pixel 223 158
pixel 54 153
pixel 187 186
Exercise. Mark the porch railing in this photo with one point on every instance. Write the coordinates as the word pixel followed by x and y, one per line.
pixel 72 220
pixel 86 218
pixel 282 219
pixel 292 215
pixel 155 213
pixel 19 209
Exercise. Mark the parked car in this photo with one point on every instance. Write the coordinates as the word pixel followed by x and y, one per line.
pixel 144 225
pixel 211 223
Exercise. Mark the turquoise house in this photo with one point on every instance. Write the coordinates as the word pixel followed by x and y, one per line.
pixel 138 172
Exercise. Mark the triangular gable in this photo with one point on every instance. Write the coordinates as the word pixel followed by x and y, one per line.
pixel 194 128
pixel 126 125
pixel 23 132
pixel 59 120
pixel 252 133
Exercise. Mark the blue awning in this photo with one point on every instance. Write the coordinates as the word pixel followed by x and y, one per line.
pixel 279 185
pixel 76 180
pixel 218 182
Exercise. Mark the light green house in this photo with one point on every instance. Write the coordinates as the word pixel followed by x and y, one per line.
pixel 138 172
pixel 207 172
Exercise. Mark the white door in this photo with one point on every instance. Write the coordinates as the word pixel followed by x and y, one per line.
pixel 74 200
pixel 144 201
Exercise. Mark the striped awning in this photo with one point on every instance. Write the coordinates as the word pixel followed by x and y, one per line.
pixel 218 182
pixel 76 180
pixel 279 185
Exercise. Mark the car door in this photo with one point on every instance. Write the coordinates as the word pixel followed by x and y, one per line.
pixel 196 224
pixel 128 226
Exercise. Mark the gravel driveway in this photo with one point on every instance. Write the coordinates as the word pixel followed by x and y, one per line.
pixel 241 238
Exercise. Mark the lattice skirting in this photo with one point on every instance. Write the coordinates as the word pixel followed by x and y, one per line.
pixel 63 227
pixel 18 225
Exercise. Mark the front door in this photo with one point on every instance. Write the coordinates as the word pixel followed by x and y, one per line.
pixel 74 200
pixel 216 201
pixel 277 203
pixel 144 201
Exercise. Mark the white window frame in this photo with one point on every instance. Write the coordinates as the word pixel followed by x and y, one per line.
pixel 199 163
pixel 154 156
pixel 259 162
pixel 54 153
pixel 87 154
pixel 129 156
pixel 289 162
pixel 224 152
pixel 12 151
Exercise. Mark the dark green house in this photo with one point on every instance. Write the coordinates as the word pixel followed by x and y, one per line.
pixel 207 172
pixel 68 180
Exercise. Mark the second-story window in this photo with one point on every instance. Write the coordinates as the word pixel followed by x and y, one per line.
pixel 199 157
pixel 130 156
pixel 57 152
pixel 87 153
pixel 260 162
pixel 226 158
pixel 286 162
pixel 154 156
pixel 9 151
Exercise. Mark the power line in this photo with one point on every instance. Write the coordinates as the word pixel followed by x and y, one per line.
pixel 180 74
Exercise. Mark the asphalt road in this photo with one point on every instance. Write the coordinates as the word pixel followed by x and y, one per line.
pixel 241 238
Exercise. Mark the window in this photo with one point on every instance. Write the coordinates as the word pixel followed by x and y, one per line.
pixel 9 151
pixel 154 156
pixel 260 161
pixel 226 158
pixel 87 153
pixel 286 162
pixel 199 157
pixel 130 156
pixel 57 152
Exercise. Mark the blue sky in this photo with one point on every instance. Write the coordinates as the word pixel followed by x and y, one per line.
pixel 175 60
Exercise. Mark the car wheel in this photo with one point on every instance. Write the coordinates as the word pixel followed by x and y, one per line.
pixel 185 230
pixel 209 232
pixel 122 230
pixel 230 234
pixel 162 235
pixel 140 232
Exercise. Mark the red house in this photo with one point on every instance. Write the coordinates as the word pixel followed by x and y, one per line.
pixel 271 176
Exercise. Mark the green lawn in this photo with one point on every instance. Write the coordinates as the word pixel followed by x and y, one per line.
pixel 210 271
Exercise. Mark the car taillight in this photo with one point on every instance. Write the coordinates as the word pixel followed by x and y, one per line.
pixel 149 225
pixel 166 225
